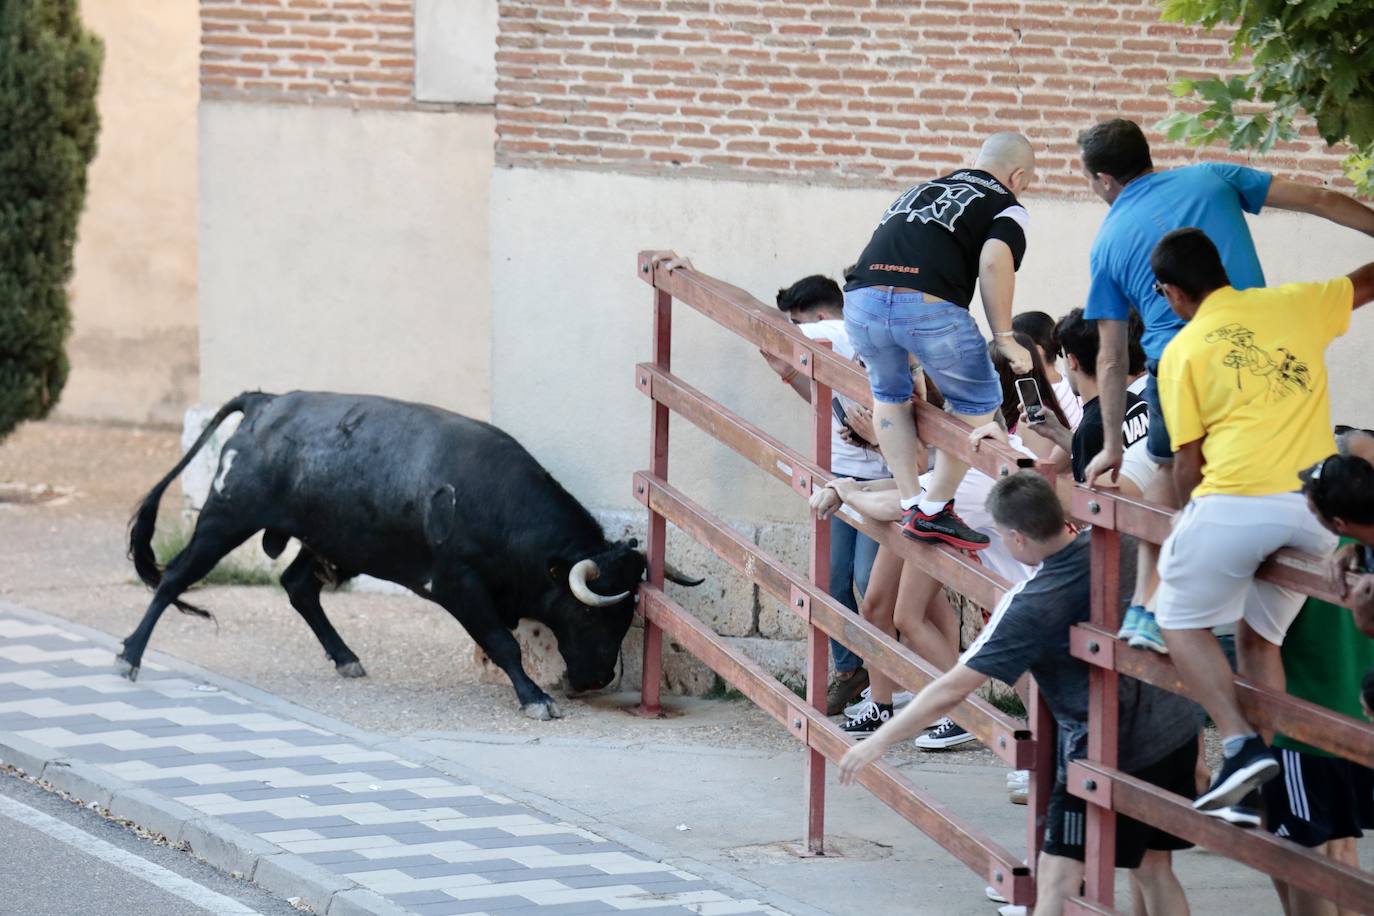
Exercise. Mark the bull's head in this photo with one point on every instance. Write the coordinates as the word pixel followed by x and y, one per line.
pixel 593 608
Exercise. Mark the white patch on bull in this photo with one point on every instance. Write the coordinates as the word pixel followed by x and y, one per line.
pixel 225 464
pixel 429 585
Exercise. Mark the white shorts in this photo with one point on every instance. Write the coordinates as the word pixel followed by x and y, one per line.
pixel 1137 466
pixel 1207 565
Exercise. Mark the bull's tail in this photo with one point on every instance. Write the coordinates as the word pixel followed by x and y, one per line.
pixel 145 517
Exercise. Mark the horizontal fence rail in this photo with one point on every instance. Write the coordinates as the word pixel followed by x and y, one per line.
pixel 1111 514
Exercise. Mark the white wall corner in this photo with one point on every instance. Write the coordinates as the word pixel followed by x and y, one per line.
pixel 455 51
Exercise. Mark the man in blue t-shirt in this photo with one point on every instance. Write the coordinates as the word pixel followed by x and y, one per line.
pixel 1145 205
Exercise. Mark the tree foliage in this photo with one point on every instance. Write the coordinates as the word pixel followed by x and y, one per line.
pixel 1309 57
pixel 49 73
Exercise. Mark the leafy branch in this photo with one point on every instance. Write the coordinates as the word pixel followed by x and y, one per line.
pixel 1309 58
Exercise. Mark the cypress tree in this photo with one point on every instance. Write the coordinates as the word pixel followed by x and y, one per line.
pixel 49 73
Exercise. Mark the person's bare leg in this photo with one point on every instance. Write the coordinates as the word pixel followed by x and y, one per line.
pixel 1346 852
pixel 897 438
pixel 1160 489
pixel 942 615
pixel 877 607
pixel 949 470
pixel 1162 894
pixel 1298 902
pixel 909 617
pixel 1200 662
pixel 1261 661
pixel 1057 879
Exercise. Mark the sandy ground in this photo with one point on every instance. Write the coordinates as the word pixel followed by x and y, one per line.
pixel 67 557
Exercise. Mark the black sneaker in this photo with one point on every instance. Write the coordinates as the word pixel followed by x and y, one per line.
pixel 1244 813
pixel 944 525
pixel 1251 768
pixel 945 735
pixel 869 720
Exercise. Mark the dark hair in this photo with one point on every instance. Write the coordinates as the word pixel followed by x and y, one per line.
pixel 1026 502
pixel 813 292
pixel 1341 486
pixel 1117 148
pixel 1367 688
pixel 1078 338
pixel 1135 350
pixel 1186 258
pixel 1011 401
pixel 1039 327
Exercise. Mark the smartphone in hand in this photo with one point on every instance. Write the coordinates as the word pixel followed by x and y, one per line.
pixel 1029 393
pixel 838 409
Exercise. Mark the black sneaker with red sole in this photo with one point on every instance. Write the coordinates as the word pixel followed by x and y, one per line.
pixel 945 525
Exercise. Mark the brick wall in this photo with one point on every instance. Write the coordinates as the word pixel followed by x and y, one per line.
pixel 345 52
pixel 852 91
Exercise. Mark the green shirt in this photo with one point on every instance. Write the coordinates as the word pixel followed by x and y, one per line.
pixel 1325 657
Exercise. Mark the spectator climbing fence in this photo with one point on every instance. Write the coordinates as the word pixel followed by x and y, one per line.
pixel 1029 746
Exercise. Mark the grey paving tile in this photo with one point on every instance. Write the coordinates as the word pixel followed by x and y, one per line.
pixel 419 898
pixel 661 882
pixel 405 829
pixel 400 862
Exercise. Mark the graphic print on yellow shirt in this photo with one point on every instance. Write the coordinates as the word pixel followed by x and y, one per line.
pixel 1283 373
pixel 1248 376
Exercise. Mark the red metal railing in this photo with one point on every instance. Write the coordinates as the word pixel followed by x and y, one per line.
pixel 1095 778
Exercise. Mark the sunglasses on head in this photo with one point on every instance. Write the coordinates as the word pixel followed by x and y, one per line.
pixel 1159 288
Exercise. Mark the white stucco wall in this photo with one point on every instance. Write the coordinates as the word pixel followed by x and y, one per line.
pixel 570 318
pixel 345 250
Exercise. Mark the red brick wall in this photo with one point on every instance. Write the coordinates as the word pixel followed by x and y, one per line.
pixel 867 91
pixel 349 52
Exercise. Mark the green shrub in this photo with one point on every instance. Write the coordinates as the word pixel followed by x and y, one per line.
pixel 49 73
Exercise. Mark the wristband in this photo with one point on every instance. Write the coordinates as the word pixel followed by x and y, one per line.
pixel 1003 333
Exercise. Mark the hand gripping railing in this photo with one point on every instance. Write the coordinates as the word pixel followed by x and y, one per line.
pixel 807 596
pixel 1109 791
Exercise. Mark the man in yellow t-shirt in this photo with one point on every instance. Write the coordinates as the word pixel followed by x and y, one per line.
pixel 1243 388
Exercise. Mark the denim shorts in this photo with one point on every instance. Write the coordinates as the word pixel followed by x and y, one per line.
pixel 1157 441
pixel 886 328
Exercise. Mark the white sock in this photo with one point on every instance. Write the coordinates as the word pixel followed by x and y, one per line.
pixel 930 506
pixel 910 503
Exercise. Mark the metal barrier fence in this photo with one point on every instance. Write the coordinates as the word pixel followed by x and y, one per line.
pixel 1096 778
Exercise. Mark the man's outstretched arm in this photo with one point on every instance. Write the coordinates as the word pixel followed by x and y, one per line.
pixel 1341 209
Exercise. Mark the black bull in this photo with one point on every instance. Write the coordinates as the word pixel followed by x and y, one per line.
pixel 451 508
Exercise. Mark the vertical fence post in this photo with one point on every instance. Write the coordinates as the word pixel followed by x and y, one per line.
pixel 1102 715
pixel 817 642
pixel 1042 780
pixel 656 546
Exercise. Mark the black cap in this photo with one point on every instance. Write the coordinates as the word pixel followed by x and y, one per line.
pixel 1341 486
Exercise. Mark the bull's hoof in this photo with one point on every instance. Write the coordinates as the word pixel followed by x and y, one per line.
pixel 125 668
pixel 351 669
pixel 544 710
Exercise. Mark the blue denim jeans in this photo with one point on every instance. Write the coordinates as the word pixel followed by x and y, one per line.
pixel 1157 442
pixel 887 328
pixel 851 562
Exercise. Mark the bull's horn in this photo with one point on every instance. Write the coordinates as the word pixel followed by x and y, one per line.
pixel 673 574
pixel 577 581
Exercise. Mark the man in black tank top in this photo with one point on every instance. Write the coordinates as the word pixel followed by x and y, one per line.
pixel 908 296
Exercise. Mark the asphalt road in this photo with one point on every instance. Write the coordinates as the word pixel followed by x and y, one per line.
pixel 60 859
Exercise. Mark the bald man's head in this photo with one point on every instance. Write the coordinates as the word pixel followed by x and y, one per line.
pixel 1010 157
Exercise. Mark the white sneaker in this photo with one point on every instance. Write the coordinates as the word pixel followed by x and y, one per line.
pixel 1018 786
pixel 899 699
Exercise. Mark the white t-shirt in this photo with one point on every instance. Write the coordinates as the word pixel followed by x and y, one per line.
pixel 845 459
pixel 970 501
pixel 1068 402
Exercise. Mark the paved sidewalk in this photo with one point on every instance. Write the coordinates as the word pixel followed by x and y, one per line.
pixel 306 808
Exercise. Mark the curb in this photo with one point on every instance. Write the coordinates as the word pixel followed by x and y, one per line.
pixel 237 852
